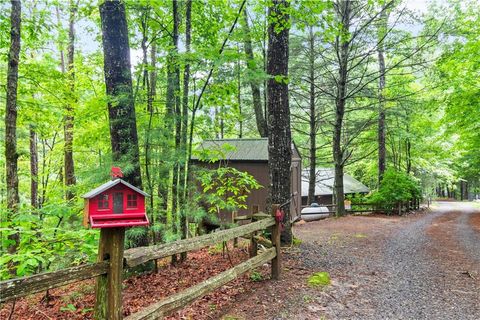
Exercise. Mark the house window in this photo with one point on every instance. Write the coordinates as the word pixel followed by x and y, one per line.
pixel 131 201
pixel 103 201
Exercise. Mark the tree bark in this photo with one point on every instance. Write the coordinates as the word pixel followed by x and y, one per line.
pixel 342 44
pixel 33 169
pixel 254 85
pixel 184 165
pixel 69 109
pixel 121 109
pixel 279 134
pixel 11 155
pixel 313 122
pixel 382 150
pixel 239 97
pixel 177 113
pixel 118 80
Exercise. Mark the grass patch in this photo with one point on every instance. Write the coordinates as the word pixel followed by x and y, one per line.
pixel 333 238
pixel 319 279
pixel 360 235
pixel 296 241
pixel 232 317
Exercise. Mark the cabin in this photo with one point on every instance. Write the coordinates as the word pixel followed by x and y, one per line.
pixel 115 204
pixel 250 155
pixel 325 179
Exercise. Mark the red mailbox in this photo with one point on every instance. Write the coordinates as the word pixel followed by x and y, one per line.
pixel 115 204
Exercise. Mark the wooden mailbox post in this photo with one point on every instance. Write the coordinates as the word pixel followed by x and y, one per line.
pixel 112 207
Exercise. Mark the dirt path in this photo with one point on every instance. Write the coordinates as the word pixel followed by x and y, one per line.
pixel 423 266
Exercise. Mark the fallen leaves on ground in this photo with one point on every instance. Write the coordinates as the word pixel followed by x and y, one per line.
pixel 76 301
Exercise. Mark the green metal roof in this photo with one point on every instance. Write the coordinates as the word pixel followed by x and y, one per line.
pixel 255 149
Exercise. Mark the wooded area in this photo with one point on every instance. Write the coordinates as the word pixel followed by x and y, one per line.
pixel 370 88
pixel 109 272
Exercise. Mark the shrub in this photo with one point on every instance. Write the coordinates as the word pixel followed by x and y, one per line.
pixel 396 187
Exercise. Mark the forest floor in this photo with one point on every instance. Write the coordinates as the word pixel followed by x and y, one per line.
pixel 421 266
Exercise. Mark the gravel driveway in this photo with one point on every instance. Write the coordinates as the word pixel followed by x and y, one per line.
pixel 421 266
pixel 425 266
pixel 419 286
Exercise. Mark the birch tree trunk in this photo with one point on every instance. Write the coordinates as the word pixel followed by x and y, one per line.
pixel 279 134
pixel 11 155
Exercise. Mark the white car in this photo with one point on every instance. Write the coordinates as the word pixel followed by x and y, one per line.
pixel 314 212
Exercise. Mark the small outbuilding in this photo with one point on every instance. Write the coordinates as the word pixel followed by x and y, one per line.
pixel 251 155
pixel 325 179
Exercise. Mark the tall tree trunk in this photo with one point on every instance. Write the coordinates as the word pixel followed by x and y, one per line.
pixel 254 85
pixel 152 92
pixel 279 134
pixel 33 169
pixel 118 80
pixel 11 155
pixel 177 120
pixel 176 110
pixel 149 83
pixel 382 149
pixel 408 155
pixel 184 164
pixel 342 45
pixel 313 122
pixel 169 120
pixel 69 110
pixel 239 98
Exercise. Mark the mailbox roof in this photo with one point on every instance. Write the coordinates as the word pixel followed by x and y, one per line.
pixel 109 185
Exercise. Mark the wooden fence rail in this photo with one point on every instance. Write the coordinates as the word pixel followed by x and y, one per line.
pixel 21 287
pixel 136 256
pixel 109 272
pixel 178 300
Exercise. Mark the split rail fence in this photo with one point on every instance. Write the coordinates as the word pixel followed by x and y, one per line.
pixel 109 272
pixel 401 207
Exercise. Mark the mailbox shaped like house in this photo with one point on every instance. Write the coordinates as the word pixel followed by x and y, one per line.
pixel 115 204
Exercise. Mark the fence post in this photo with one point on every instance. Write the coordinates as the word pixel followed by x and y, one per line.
pixel 235 240
pixel 275 238
pixel 108 288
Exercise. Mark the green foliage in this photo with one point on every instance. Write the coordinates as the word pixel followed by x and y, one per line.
pixel 225 188
pixel 296 241
pixel 45 242
pixel 69 308
pixel 432 112
pixel 256 276
pixel 396 187
pixel 319 279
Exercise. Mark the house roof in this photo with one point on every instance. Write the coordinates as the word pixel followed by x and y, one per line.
pixel 109 185
pixel 325 178
pixel 255 149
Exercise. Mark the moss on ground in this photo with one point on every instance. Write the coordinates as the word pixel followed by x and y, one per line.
pixel 319 279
